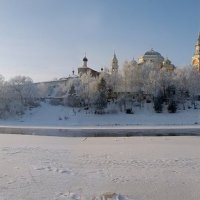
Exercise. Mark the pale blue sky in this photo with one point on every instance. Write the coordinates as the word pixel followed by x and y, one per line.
pixel 46 39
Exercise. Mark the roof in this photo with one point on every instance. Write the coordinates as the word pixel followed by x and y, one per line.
pixel 85 59
pixel 152 53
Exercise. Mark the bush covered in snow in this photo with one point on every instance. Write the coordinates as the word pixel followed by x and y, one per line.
pixel 16 95
pixel 172 107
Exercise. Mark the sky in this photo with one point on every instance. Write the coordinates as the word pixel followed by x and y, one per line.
pixel 47 39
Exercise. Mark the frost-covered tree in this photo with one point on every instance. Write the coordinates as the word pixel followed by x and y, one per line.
pixel 166 82
pixel 16 95
pixel 113 82
pixel 43 90
pixel 193 85
pixel 172 106
pixel 181 82
pixel 158 104
pixel 72 98
pixel 4 99
pixel 24 89
pixel 101 96
pixel 129 71
pixel 87 88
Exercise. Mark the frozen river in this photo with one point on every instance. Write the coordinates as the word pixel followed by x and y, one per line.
pixel 134 168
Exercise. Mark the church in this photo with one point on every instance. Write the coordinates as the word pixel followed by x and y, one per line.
pixel 150 57
pixel 87 70
pixel 157 60
pixel 196 57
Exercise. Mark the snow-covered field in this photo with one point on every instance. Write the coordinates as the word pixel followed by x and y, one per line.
pixel 137 168
pixel 48 115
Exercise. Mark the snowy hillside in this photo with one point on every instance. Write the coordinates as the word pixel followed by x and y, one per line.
pixel 49 115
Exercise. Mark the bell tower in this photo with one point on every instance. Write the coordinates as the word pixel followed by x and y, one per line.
pixel 196 57
pixel 115 65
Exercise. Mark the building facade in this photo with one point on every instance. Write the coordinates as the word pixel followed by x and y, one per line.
pixel 196 57
pixel 115 65
pixel 157 60
pixel 87 70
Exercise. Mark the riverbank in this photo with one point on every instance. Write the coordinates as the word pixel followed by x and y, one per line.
pixel 58 116
pixel 103 131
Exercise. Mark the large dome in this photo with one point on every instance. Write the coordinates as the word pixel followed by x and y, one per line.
pixel 151 56
pixel 156 59
pixel 152 53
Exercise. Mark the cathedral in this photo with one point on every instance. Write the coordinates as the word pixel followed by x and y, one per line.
pixel 150 57
pixel 196 57
pixel 157 60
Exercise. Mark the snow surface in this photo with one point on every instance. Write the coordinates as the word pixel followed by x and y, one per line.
pixel 136 168
pixel 62 116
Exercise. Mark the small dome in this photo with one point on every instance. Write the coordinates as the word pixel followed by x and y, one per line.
pixel 152 53
pixel 167 61
pixel 133 62
pixel 85 59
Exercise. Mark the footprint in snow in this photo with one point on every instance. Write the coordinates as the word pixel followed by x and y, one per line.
pixel 68 196
pixel 105 196
pixel 111 196
pixel 54 169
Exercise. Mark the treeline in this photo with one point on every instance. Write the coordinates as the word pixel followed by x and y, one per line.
pixel 134 84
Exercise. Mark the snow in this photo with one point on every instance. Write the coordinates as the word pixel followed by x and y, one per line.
pixel 63 116
pixel 136 168
pixel 67 121
pixel 82 168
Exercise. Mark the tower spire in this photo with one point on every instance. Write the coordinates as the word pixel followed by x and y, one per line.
pixel 196 57
pixel 115 65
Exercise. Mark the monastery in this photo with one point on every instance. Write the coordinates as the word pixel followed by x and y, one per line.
pixel 150 57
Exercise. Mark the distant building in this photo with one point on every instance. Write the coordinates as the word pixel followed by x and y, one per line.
pixel 167 64
pixel 87 70
pixel 196 57
pixel 151 57
pixel 115 65
pixel 155 58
